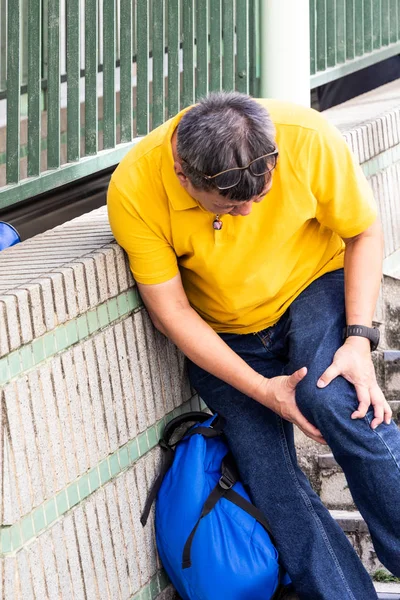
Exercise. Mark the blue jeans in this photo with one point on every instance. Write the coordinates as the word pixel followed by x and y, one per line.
pixel 314 550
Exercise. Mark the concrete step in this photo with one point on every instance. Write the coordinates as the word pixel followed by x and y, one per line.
pixel 391 375
pixel 385 592
pixel 333 489
pixel 388 591
pixel 331 483
pixel 357 532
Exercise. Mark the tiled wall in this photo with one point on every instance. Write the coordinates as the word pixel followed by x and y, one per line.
pixel 86 386
pixel 371 126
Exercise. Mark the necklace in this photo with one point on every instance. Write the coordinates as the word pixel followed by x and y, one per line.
pixel 217 223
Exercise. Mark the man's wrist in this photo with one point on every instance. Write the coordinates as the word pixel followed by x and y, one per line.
pixel 364 332
pixel 258 392
pixel 359 343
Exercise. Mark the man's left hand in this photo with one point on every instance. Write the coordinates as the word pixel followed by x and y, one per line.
pixel 353 362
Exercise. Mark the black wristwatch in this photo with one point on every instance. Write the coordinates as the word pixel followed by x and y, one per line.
pixel 371 333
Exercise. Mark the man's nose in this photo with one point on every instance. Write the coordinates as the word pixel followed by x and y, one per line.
pixel 245 208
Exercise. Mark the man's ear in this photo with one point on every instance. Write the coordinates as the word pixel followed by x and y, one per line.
pixel 183 180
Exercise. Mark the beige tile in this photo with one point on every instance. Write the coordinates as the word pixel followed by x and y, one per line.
pixel 105 592
pixel 85 402
pixel 74 561
pixel 18 448
pixel 60 553
pixel 65 419
pixel 116 388
pixel 45 544
pixel 56 447
pixel 127 394
pixel 75 412
pixel 30 435
pixel 96 398
pixel 24 575
pixel 106 392
pixel 117 540
pixel 92 591
pixel 104 528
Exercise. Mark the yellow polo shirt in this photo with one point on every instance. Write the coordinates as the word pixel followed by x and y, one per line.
pixel 243 277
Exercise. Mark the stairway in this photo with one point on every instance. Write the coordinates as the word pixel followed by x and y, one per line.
pixel 325 474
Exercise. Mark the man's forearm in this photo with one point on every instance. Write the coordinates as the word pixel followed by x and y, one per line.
pixel 199 342
pixel 363 272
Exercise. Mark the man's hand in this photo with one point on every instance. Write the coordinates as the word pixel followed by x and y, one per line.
pixel 353 362
pixel 278 394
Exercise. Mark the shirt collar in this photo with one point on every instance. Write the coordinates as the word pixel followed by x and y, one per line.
pixel 177 195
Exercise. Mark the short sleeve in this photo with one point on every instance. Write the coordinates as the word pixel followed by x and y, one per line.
pixel 345 202
pixel 151 258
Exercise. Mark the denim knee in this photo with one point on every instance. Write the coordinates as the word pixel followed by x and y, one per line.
pixel 329 406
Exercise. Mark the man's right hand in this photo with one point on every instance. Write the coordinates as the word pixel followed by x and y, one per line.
pixel 279 394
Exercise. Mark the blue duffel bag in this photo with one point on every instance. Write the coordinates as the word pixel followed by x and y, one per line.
pixel 9 236
pixel 213 542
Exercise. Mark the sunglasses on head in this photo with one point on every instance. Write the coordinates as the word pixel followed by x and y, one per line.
pixel 231 177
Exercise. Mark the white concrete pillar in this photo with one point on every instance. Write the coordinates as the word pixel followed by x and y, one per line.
pixel 285 50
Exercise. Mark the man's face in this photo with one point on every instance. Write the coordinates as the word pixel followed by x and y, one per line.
pixel 217 204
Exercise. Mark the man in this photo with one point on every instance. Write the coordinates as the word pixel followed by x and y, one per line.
pixel 259 305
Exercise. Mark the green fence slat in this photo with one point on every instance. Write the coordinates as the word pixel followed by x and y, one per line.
pixel 45 43
pixel 255 48
pixel 125 110
pixel 368 25
pixel 376 24
pixel 73 78
pixel 188 53
pixel 158 92
pixel 142 34
pixel 215 45
pixel 340 31
pixel 34 87
pixel 109 123
pixel 228 59
pixel 53 85
pixel 13 88
pixel 134 37
pixel 331 33
pixel 24 53
pixel 3 45
pixel 91 65
pixel 385 22
pixel 393 21
pixel 313 37
pixel 350 30
pixel 321 35
pixel 359 27
pixel 242 44
pixel 173 57
pixel 398 19
pixel 202 54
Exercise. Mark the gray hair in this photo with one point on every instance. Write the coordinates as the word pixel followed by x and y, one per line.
pixel 225 130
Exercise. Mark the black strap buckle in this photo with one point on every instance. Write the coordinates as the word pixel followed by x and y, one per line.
pixel 226 481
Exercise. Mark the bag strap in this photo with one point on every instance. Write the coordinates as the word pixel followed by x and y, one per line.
pixel 223 489
pixel 168 449
pixel 217 493
pixel 168 459
pixel 169 429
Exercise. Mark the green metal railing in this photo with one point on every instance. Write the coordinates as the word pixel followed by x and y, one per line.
pixel 348 35
pixel 140 62
pixel 87 78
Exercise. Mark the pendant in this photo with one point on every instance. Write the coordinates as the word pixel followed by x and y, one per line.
pixel 217 223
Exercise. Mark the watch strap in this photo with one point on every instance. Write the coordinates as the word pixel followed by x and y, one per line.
pixel 371 333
